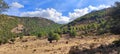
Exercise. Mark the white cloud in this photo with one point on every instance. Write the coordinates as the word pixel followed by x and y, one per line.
pixel 48 13
pixel 99 7
pixel 57 17
pixel 17 5
pixel 14 9
pixel 77 13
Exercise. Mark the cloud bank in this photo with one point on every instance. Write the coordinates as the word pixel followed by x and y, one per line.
pixel 56 16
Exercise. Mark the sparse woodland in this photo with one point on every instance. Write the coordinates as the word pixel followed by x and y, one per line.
pixel 95 23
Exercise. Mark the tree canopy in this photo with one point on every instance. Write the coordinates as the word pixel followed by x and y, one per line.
pixel 114 13
pixel 3 6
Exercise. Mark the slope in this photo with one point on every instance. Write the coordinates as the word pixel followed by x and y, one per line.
pixel 27 26
pixel 93 22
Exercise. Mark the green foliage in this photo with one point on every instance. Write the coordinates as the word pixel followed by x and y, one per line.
pixel 73 33
pixel 32 26
pixel 3 6
pixel 53 36
pixel 35 25
pixel 101 31
pixel 65 30
pixel 41 34
pixel 56 36
pixel 3 40
pixel 89 23
pixel 59 31
pixel 95 22
pixel 6 25
pixel 114 20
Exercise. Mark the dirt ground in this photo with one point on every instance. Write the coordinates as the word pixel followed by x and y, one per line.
pixel 32 45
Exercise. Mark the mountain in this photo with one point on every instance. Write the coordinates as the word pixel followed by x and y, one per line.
pixel 93 22
pixel 12 26
pixel 91 17
pixel 36 25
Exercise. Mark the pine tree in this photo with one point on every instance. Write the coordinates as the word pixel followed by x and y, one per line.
pixel 114 13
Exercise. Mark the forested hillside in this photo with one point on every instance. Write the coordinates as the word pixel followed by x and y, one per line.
pixel 36 25
pixel 31 26
pixel 96 22
pixel 93 22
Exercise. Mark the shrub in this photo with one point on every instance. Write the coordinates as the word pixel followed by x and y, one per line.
pixel 73 33
pixel 56 36
pixel 53 36
pixel 0 41
pixel 101 31
pixel 40 35
pixel 21 37
pixel 58 31
pixel 115 18
pixel 117 42
pixel 50 36
pixel 5 40
pixel 12 39
pixel 65 30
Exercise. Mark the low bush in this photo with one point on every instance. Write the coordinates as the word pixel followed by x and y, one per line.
pixel 117 42
pixel 72 33
pixel 53 36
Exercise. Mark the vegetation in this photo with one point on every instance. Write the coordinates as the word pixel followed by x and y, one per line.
pixel 12 40
pixel 92 23
pixel 53 36
pixel 114 14
pixel 95 23
pixel 117 42
pixel 6 25
pixel 3 6
pixel 73 33
pixel 35 25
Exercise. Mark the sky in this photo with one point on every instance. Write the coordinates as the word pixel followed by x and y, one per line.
pixel 59 11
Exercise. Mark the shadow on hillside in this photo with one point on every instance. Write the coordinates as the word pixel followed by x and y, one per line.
pixel 110 49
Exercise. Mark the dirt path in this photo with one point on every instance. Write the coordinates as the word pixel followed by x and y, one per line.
pixel 36 46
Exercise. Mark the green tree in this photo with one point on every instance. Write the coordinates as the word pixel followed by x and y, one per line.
pixel 114 14
pixel 3 6
pixel 41 34
pixel 73 33
pixel 53 36
pixel 56 36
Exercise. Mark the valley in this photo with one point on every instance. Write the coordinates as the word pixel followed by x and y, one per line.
pixel 33 30
pixel 42 46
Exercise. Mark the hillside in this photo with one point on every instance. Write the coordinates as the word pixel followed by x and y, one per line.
pixel 36 25
pixel 12 26
pixel 94 16
pixel 95 22
pixel 6 25
pixel 97 32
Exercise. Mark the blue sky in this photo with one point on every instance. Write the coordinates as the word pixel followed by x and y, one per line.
pixel 60 11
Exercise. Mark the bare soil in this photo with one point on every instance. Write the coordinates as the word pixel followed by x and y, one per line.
pixel 32 45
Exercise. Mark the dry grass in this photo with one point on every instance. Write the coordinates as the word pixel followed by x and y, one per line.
pixel 36 46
